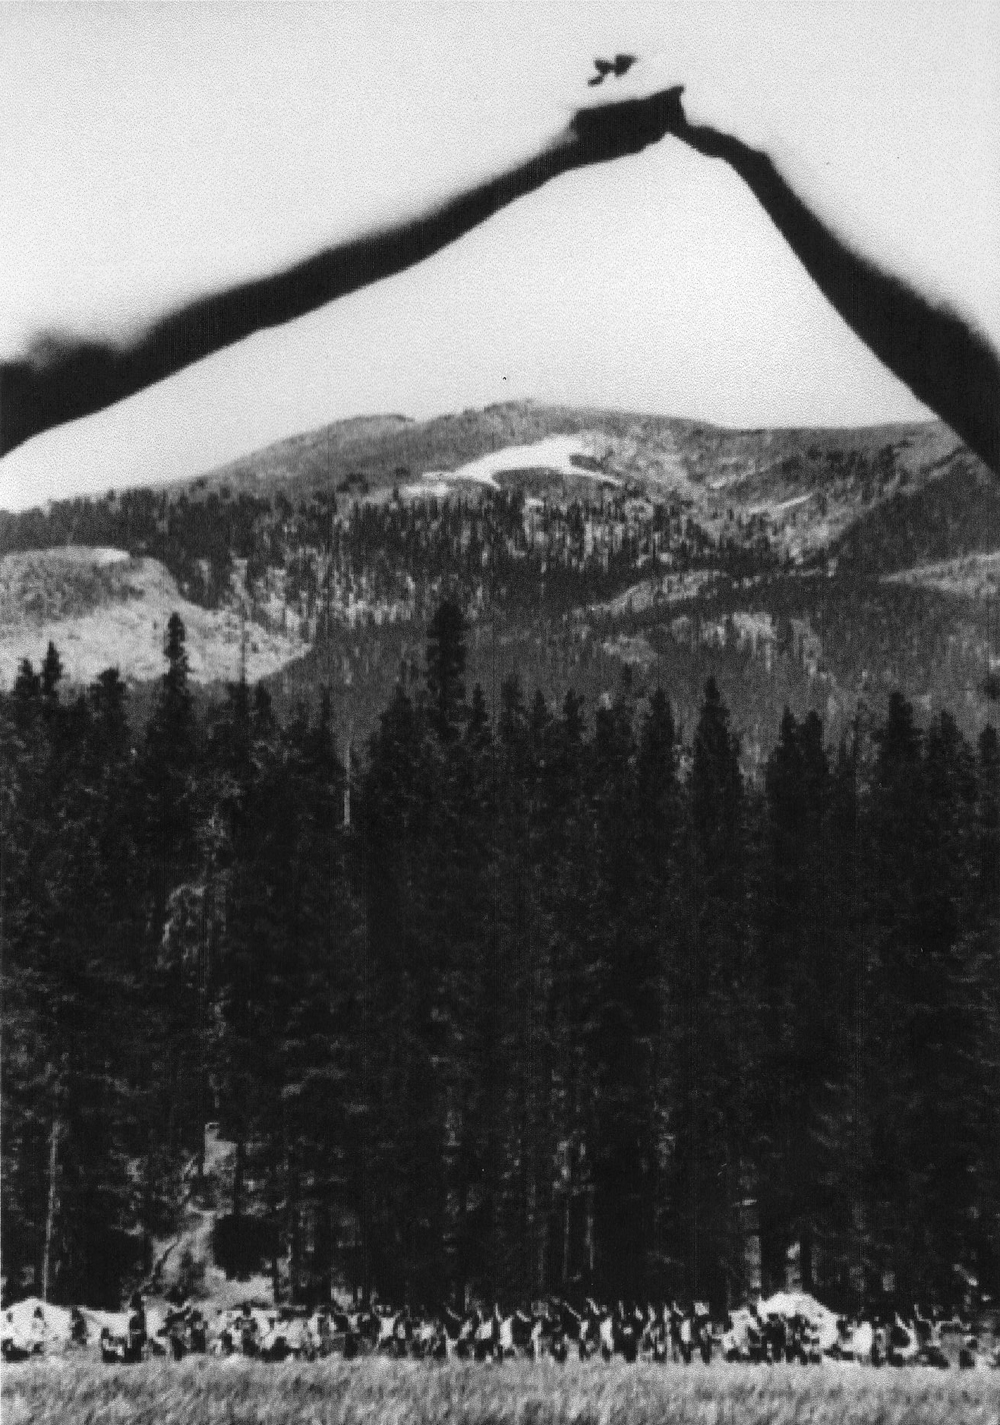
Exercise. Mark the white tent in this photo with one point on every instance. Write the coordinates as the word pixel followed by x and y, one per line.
pixel 17 1323
pixel 799 1303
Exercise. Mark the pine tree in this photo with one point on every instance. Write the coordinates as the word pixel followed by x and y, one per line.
pixel 168 782
pixel 715 997
pixel 794 958
pixel 569 922
pixel 944 1014
pixel 657 812
pixel 896 933
pixel 310 965
pixel 402 1147
pixel 446 658
pixel 70 908
pixel 51 674
pixel 983 938
pixel 621 1015
pixel 169 768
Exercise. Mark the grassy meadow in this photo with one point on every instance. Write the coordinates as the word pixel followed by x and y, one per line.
pixel 377 1392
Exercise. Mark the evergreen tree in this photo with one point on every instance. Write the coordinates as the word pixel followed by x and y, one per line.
pixel 715 999
pixel 51 674
pixel 568 1008
pixel 446 659
pixel 657 812
pixel 793 958
pixel 168 773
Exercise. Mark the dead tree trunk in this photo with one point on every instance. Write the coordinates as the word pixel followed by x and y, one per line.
pixel 50 1211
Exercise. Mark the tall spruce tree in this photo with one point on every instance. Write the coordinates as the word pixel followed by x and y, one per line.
pixel 795 949
pixel 716 996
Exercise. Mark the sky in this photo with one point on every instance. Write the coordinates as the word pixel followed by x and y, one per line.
pixel 148 152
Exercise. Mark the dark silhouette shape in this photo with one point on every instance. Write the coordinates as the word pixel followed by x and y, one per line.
pixel 60 379
pixel 621 64
pixel 944 360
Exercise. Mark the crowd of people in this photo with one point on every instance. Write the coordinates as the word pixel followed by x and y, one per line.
pixel 788 1328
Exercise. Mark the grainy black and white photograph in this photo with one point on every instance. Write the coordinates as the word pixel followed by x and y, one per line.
pixel 500 713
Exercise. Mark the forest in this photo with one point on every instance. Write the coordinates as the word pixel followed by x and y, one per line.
pixel 575 583
pixel 544 997
pixel 309 566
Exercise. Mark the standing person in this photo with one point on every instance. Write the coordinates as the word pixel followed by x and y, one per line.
pixel 198 1332
pixel 705 1341
pixel 880 1341
pixel 177 1332
pixel 686 1338
pixel 249 1331
pixel 943 359
pixel 39 1332
pixel 136 1328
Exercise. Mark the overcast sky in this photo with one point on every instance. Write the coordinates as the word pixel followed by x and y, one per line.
pixel 148 151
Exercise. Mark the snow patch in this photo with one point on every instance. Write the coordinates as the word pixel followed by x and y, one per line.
pixel 555 452
pixel 783 507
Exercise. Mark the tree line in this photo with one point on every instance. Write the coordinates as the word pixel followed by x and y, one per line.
pixel 305 567
pixel 531 1001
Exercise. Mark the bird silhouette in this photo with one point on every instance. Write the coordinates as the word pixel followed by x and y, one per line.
pixel 621 64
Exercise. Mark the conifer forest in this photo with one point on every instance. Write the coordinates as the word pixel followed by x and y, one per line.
pixel 533 996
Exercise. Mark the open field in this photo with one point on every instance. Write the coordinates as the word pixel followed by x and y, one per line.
pixel 239 1392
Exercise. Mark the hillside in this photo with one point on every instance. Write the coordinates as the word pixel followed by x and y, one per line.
pixel 103 609
pixel 953 511
pixel 305 457
pixel 758 471
pixel 975 575
pixel 408 449
pixel 889 496
pixel 586 545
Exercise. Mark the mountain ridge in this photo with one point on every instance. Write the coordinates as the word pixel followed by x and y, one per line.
pixel 453 438
pixel 318 559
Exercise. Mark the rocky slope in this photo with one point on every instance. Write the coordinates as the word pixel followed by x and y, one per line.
pixel 104 609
